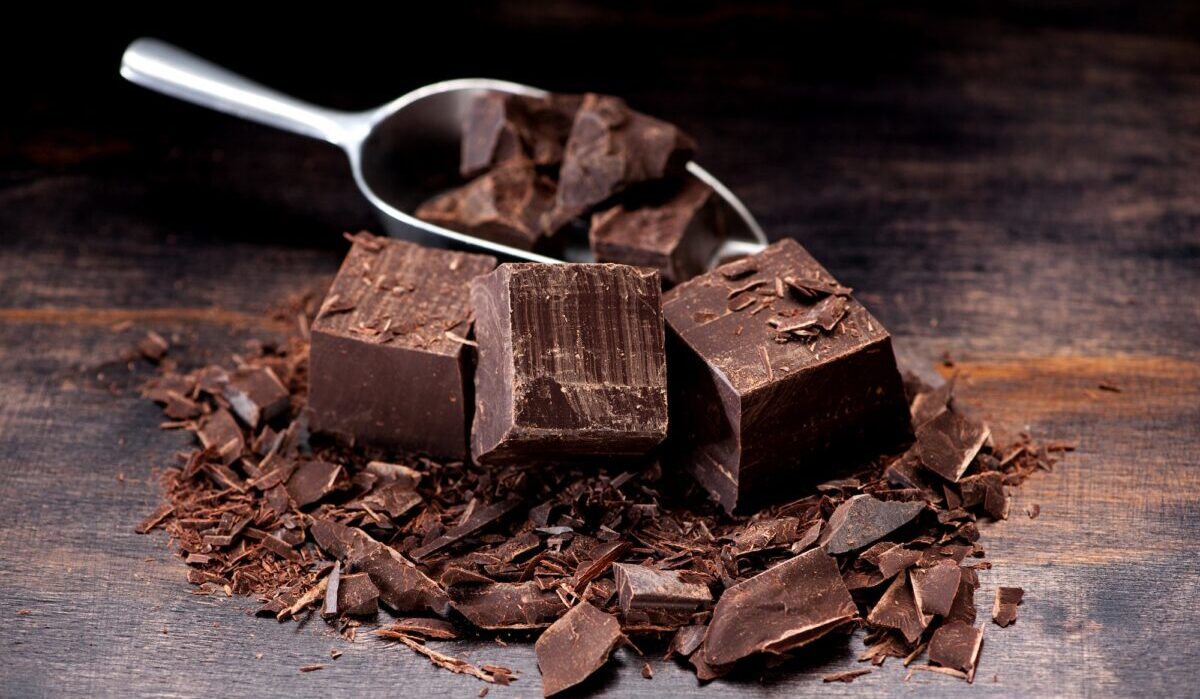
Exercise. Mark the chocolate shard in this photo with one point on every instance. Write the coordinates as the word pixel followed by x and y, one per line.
pixel 394 499
pixel 571 363
pixel 508 606
pixel 929 404
pixel 963 607
pixel 425 627
pixel 575 646
pixel 686 640
pixel 863 519
pixel 357 595
pixel 956 645
pixel 220 432
pixel 508 204
pixel 677 236
pixel 403 337
pixel 949 442
pixel 312 481
pixel 640 587
pixel 897 609
pixel 256 395
pixel 611 148
pixel 480 519
pixel 500 127
pixel 986 489
pixel 1004 610
pixel 753 417
pixel 935 588
pixel 896 559
pixel 402 586
pixel 782 608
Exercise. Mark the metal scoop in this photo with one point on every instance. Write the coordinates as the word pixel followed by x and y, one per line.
pixel 393 149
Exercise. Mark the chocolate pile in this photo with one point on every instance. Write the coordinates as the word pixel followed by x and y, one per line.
pixel 543 168
pixel 327 503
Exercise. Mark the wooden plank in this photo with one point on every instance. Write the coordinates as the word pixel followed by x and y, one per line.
pixel 1024 199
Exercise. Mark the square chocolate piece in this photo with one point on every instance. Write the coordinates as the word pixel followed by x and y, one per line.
pixel 571 362
pixel 677 236
pixel 776 375
pixel 388 364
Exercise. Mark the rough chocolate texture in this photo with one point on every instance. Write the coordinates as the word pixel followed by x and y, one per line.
pixel 385 366
pixel 571 363
pixel 677 236
pixel 500 127
pixel 612 148
pixel 507 204
pixel 762 394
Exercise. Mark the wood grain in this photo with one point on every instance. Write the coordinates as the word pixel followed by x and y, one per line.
pixel 1016 189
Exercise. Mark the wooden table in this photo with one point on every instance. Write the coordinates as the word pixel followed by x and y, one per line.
pixel 1020 192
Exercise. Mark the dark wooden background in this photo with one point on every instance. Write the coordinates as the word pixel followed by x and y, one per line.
pixel 1017 185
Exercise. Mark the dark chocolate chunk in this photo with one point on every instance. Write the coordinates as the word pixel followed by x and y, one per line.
pixel 312 481
pixel 949 442
pixel 896 559
pixel 571 363
pixel 478 520
pixel 862 520
pixel 956 645
pixel 221 433
pixel 393 371
pixel 575 646
pixel 986 489
pixel 357 595
pixel 402 586
pixel 963 608
pixel 782 608
pixel 927 405
pixel 1004 610
pixel 153 346
pixel 509 606
pixel 677 237
pixel 611 148
pixel 256 395
pixel 935 588
pixel 754 416
pixel 500 127
pixel 898 610
pixel 509 204
pixel 640 587
pixel 686 640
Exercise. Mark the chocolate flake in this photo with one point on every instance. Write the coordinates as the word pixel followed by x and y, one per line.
pixel 956 645
pixel 422 626
pixel 936 587
pixel 1004 610
pixel 949 442
pixel 898 610
pixel 862 520
pixel 575 646
pixel 785 607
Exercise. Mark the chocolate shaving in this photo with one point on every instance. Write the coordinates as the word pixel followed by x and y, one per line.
pixel 846 676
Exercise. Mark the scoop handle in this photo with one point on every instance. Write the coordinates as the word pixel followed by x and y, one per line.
pixel 172 71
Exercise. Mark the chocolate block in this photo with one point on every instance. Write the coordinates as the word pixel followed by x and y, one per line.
pixel 501 126
pixel 612 148
pixel 571 362
pixel 388 365
pixel 677 236
pixel 508 204
pixel 777 374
